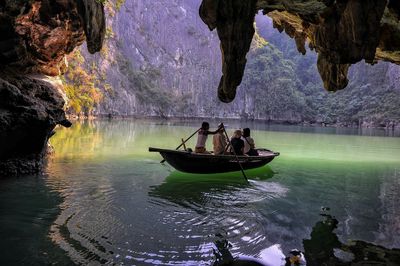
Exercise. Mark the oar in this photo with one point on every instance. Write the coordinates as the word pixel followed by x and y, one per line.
pixel 237 158
pixel 183 142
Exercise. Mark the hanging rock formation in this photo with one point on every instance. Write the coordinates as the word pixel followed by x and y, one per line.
pixel 342 33
pixel 234 22
pixel 35 36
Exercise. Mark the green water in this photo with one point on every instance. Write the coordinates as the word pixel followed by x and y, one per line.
pixel 105 199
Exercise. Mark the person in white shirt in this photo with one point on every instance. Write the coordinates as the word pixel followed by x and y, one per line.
pixel 202 137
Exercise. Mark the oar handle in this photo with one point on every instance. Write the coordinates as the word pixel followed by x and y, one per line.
pixel 183 142
pixel 234 152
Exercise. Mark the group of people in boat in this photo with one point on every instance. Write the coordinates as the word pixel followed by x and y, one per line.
pixel 241 143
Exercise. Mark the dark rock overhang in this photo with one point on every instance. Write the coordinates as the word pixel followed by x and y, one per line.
pixel 342 32
pixel 36 35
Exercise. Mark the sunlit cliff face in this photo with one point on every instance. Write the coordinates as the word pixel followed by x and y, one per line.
pixel 342 33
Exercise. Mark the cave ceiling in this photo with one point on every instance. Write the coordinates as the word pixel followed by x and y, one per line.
pixel 342 32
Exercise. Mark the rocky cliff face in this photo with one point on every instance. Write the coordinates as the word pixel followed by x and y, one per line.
pixel 34 38
pixel 163 57
pixel 167 63
pixel 159 60
pixel 342 33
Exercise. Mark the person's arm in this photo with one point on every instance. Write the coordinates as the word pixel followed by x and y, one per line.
pixel 251 142
pixel 214 132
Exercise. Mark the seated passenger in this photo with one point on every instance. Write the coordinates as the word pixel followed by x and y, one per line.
pixel 202 137
pixel 237 143
pixel 219 142
pixel 249 146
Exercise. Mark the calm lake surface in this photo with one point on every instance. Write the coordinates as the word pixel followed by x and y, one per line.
pixel 105 199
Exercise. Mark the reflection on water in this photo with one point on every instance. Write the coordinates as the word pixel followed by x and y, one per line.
pixel 323 248
pixel 110 201
pixel 228 188
pixel 27 209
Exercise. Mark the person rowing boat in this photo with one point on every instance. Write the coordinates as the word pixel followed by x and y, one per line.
pixel 207 163
pixel 202 137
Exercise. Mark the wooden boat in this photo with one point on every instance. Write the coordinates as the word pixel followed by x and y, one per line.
pixel 200 163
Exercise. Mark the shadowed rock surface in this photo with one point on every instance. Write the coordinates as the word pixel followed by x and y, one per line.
pixel 30 109
pixel 341 32
pixel 35 36
pixel 234 22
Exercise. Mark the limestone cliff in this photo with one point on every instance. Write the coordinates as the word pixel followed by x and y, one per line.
pixel 159 59
pixel 35 36
pixel 166 63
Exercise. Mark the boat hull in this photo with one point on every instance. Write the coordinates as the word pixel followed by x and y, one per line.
pixel 198 163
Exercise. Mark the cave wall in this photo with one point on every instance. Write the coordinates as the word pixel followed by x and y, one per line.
pixel 35 36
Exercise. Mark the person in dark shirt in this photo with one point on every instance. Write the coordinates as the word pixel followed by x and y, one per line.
pixel 249 146
pixel 237 143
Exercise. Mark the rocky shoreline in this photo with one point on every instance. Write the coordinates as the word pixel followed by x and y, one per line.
pixel 387 125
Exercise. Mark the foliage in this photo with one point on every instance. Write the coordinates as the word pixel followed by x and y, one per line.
pixel 81 86
pixel 118 4
pixel 258 41
pixel 145 87
pixel 109 33
pixel 271 82
pixel 280 84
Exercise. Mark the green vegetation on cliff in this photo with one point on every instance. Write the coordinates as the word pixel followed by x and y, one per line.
pixel 280 85
pixel 144 85
pixel 271 82
pixel 81 86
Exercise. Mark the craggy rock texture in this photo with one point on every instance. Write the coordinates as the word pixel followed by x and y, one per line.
pixel 93 17
pixel 35 36
pixel 342 32
pixel 30 109
pixel 234 22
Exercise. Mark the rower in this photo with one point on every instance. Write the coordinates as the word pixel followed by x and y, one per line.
pixel 202 137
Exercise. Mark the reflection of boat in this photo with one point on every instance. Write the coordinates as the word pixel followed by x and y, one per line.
pixel 194 190
pixel 200 163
